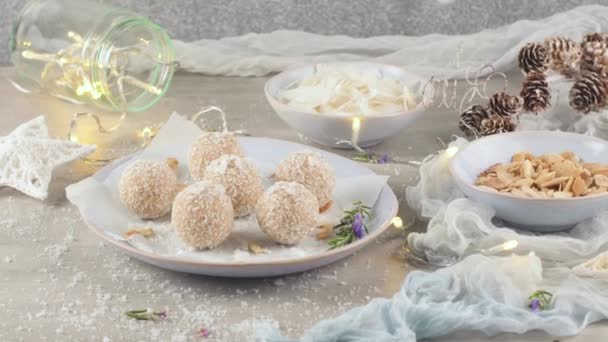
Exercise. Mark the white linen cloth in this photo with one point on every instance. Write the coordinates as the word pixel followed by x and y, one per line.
pixel 431 55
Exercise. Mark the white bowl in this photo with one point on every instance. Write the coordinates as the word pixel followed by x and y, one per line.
pixel 328 129
pixel 534 214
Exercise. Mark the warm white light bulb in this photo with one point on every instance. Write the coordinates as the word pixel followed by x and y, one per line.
pixel 511 244
pixel 397 222
pixel 451 151
pixel 356 124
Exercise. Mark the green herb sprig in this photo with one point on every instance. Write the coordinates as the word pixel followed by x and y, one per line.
pixel 146 315
pixel 369 157
pixel 540 300
pixel 351 226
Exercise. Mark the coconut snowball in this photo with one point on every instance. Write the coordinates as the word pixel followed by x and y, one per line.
pixel 241 180
pixel 208 147
pixel 287 212
pixel 311 170
pixel 147 188
pixel 202 215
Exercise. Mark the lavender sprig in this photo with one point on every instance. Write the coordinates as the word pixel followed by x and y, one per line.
pixel 351 226
pixel 370 157
pixel 147 315
pixel 540 300
pixel 203 332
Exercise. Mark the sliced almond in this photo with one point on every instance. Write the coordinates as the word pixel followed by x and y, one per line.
pixel 518 183
pixel 601 180
pixel 562 194
pixel 324 231
pixel 593 166
pixel 600 171
pixel 492 182
pixel 145 232
pixel 519 193
pixel 565 168
pixel 527 169
pixel 570 156
pixel 530 192
pixel 551 158
pixel 586 176
pixel 515 167
pixel 173 163
pixel 544 178
pixel 521 156
pixel 325 207
pixel 491 169
pixel 555 182
pixel 579 187
pixel 255 248
pixel 504 176
pixel 568 186
pixel 547 176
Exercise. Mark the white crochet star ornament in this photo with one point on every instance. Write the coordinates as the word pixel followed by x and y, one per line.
pixel 28 157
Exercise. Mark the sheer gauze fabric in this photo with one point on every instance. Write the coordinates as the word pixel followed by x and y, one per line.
pixel 488 294
pixel 431 55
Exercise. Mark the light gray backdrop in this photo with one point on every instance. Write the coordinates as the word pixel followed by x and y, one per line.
pixel 195 19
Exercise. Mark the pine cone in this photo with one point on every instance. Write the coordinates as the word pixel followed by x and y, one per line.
pixel 588 93
pixel 594 50
pixel 470 120
pixel 535 92
pixel 565 55
pixel 595 37
pixel 496 124
pixel 504 104
pixel 533 57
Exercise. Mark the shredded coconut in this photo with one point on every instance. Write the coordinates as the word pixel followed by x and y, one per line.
pixel 311 170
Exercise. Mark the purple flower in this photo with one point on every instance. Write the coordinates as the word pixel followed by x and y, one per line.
pixel 203 332
pixel 358 227
pixel 383 159
pixel 535 305
pixel 161 315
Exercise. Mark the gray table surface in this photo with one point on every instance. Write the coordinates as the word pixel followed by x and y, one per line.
pixel 59 281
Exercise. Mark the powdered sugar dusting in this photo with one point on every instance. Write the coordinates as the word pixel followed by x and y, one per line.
pixel 64 283
pixel 147 188
pixel 241 180
pixel 202 215
pixel 208 147
pixel 311 170
pixel 287 212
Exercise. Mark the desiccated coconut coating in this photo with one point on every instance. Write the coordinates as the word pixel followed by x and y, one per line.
pixel 241 180
pixel 147 188
pixel 208 147
pixel 311 170
pixel 287 212
pixel 202 215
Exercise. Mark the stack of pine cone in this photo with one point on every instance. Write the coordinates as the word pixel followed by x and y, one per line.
pixel 497 117
pixel 587 63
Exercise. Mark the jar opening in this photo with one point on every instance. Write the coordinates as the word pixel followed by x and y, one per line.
pixel 132 65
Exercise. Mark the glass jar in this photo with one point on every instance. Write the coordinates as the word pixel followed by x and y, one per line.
pixel 91 52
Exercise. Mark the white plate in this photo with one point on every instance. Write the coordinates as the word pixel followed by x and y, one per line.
pixel 541 215
pixel 271 151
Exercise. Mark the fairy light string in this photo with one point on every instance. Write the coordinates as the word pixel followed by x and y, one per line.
pixel 66 76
